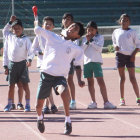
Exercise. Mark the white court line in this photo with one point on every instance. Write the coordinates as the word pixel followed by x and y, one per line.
pixel 26 125
pixel 125 122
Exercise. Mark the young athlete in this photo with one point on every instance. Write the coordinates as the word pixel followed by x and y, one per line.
pixel 19 57
pixel 58 54
pixel 92 45
pixel 126 44
pixel 38 45
pixel 19 84
pixel 67 20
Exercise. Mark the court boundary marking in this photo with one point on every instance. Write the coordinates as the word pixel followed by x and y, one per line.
pixel 26 125
pixel 121 120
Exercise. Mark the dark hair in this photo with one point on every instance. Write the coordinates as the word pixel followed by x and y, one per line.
pixel 93 25
pixel 122 16
pixel 48 18
pixel 82 29
pixel 68 15
pixel 17 22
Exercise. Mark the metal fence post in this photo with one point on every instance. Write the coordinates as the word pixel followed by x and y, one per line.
pixel 13 9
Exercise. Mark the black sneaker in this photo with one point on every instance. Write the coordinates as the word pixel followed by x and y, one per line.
pixel 68 128
pixel 54 109
pixel 40 125
pixel 46 110
pixel 13 107
pixel 20 106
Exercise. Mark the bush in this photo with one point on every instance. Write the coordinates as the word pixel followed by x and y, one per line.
pixel 110 48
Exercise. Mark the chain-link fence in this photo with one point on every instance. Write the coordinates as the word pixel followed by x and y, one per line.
pixel 6 12
pixel 104 12
pixel 22 9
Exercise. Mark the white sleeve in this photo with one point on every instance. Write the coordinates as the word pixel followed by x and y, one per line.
pixel 98 43
pixel 35 46
pixel 6 30
pixel 114 40
pixel 30 53
pixel 83 44
pixel 136 40
pixel 44 33
pixel 5 54
pixel 79 57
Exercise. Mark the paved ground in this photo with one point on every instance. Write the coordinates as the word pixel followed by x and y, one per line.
pixel 120 124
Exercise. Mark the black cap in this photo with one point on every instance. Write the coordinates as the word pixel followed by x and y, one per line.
pixel 16 22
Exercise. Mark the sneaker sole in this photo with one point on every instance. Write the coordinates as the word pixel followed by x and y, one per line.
pixel 54 111
pixel 67 133
pixel 121 104
pixel 27 110
pixel 72 108
pixel 92 108
pixel 7 111
pixel 20 108
pixel 111 108
pixel 47 112
pixel 41 128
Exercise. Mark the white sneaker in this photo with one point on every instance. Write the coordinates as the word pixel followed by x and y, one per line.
pixel 92 105
pixel 73 105
pixel 109 105
pixel 122 102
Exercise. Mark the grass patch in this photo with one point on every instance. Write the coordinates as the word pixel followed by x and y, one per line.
pixel 0 58
pixel 137 70
pixel 112 55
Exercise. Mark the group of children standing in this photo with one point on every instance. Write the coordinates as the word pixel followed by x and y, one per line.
pixel 57 59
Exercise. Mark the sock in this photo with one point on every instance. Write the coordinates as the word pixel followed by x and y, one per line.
pixel 40 117
pixel 93 102
pixel 27 101
pixel 67 119
pixel 10 101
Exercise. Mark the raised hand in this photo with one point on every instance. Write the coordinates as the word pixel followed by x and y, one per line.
pixel 13 18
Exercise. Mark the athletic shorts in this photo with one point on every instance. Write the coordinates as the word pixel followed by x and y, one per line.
pixel 124 60
pixel 18 71
pixel 72 68
pixel 47 82
pixel 93 67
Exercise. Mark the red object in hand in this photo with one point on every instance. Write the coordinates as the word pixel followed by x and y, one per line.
pixel 34 8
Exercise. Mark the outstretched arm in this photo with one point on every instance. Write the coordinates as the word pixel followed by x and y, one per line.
pixel 6 30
